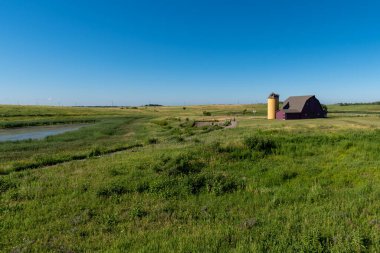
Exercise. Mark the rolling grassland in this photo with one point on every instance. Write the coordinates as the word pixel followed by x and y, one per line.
pixel 147 180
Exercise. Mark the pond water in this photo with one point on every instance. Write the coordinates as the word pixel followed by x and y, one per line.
pixel 37 132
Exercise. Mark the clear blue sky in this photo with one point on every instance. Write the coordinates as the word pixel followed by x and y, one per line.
pixel 91 52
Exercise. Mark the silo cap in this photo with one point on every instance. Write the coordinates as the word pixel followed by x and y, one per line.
pixel 273 95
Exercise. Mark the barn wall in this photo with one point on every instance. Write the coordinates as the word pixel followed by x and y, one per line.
pixel 280 115
pixel 312 109
pixel 293 116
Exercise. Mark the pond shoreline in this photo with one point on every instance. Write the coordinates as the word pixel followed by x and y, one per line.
pixel 37 132
pixel 22 124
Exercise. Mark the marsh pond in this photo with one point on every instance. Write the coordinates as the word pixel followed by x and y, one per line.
pixel 36 132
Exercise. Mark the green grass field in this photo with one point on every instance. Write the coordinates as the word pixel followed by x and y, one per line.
pixel 145 180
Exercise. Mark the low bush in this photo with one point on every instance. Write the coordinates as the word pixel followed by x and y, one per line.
pixel 261 144
pixel 165 187
pixel 95 152
pixel 152 141
pixel 195 184
pixel 227 123
pixel 138 212
pixel 287 175
pixel 207 129
pixel 221 184
pixel 142 187
pixel 161 122
pixel 185 175
pixel 115 172
pixel 115 188
pixel 233 151
pixel 179 138
pixel 5 185
pixel 184 164
pixel 187 124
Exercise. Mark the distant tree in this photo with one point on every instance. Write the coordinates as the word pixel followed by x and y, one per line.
pixel 325 109
pixel 370 103
pixel 205 113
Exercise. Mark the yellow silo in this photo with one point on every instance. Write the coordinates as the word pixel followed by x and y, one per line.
pixel 273 105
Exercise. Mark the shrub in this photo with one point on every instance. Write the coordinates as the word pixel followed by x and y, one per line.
pixel 240 154
pixel 95 152
pixel 207 129
pixel 260 144
pixel 161 122
pixel 187 124
pixel 138 212
pixel 115 172
pixel 173 118
pixel 179 138
pixel 234 151
pixel 206 113
pixel 195 184
pixel 196 140
pixel 216 147
pixel 142 187
pixel 287 175
pixel 152 141
pixel 167 187
pixel 116 188
pixel 5 185
pixel 325 109
pixel 227 123
pixel 183 165
pixel 222 184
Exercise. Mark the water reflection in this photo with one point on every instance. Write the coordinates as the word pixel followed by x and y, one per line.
pixel 38 132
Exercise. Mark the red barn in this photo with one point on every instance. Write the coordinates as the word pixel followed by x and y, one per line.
pixel 301 107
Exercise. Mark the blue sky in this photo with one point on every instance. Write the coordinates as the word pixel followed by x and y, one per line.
pixel 91 52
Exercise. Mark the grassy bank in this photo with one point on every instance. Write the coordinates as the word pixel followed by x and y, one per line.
pixel 266 186
pixel 102 137
pixel 17 124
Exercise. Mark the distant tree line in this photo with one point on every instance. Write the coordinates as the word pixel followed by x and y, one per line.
pixel 152 105
pixel 371 103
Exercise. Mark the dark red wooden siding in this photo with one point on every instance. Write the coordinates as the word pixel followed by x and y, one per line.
pixel 312 109
pixel 280 114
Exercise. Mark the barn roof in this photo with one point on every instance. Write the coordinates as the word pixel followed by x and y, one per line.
pixel 295 104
